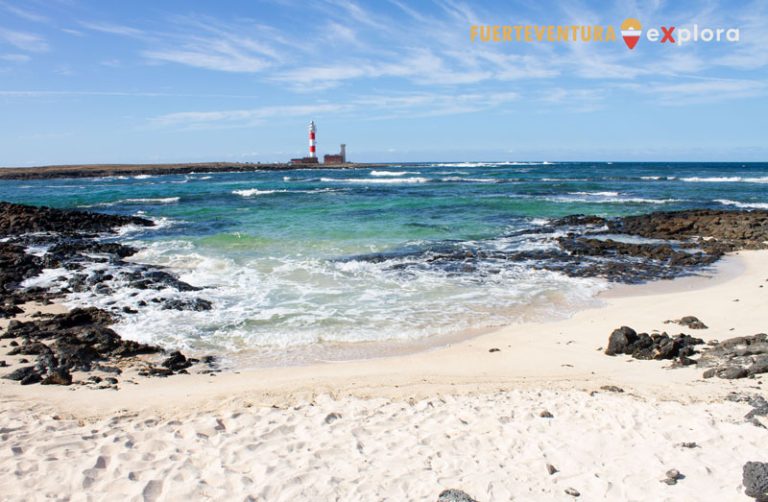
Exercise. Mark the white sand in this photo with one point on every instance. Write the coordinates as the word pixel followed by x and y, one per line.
pixel 496 447
pixel 482 431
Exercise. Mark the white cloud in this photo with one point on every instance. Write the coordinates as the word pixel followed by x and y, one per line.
pixel 70 31
pixel 15 58
pixel 113 29
pixel 701 91
pixel 24 13
pixel 29 42
pixel 240 117
pixel 223 58
pixel 384 106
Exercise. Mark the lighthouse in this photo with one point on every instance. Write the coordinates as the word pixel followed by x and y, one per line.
pixel 312 145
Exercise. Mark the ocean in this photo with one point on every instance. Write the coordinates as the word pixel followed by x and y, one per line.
pixel 332 264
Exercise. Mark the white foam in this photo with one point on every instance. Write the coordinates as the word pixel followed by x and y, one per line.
pixel 491 164
pixel 726 179
pixel 294 301
pixel 142 177
pixel 392 173
pixel 594 199
pixel 159 200
pixel 159 223
pixel 146 201
pixel 459 179
pixel 743 205
pixel 598 194
pixel 252 192
pixel 392 181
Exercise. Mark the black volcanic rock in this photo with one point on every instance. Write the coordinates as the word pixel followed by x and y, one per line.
pixel 732 229
pixel 755 480
pixel 177 361
pixel 18 219
pixel 21 373
pixel 621 340
pixel 454 495
pixel 16 266
pixel 625 340
pixel 76 340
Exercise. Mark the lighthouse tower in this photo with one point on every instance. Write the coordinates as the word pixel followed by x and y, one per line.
pixel 312 150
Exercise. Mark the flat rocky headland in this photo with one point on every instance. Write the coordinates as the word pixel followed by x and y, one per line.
pixel 104 170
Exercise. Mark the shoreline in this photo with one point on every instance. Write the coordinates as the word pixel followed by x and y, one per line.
pixel 558 354
pixel 107 170
pixel 726 269
pixel 533 410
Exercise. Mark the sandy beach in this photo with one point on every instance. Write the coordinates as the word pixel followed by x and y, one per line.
pixel 358 251
pixel 405 428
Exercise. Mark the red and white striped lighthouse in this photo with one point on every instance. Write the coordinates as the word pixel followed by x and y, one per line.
pixel 312 150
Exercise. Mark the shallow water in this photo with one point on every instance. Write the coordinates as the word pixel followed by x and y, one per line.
pixel 296 260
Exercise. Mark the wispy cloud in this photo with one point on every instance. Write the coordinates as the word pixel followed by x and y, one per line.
pixel 70 31
pixel 132 94
pixel 704 91
pixel 15 58
pixel 24 41
pixel 384 106
pixel 23 13
pixel 201 42
pixel 240 118
pixel 113 29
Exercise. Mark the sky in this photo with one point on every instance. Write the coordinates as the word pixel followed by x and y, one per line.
pixel 87 81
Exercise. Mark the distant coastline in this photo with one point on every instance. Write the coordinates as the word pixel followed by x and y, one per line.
pixel 101 170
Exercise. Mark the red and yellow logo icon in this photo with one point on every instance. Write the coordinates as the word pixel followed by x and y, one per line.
pixel 631 29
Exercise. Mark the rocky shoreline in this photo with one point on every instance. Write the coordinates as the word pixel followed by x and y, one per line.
pixel 80 340
pixel 34 239
pixel 629 250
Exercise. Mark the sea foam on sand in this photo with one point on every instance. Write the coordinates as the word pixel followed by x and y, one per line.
pixel 405 428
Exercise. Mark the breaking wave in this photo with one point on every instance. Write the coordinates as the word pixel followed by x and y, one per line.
pixel 743 205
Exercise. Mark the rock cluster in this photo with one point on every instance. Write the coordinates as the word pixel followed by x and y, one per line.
pixel 79 340
pixel 723 230
pixel 588 246
pixel 738 357
pixel 16 219
pixel 626 340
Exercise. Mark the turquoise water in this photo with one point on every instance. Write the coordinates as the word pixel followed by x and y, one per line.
pixel 304 258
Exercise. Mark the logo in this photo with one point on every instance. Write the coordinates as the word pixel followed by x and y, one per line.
pixel 631 33
pixel 631 29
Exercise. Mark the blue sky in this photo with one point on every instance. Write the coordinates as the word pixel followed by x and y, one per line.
pixel 86 81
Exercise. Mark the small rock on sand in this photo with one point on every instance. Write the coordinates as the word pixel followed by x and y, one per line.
pixel 332 417
pixel 152 490
pixel 573 492
pixel 755 480
pixel 546 414
pixel 453 495
pixel 672 476
pixel 551 469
